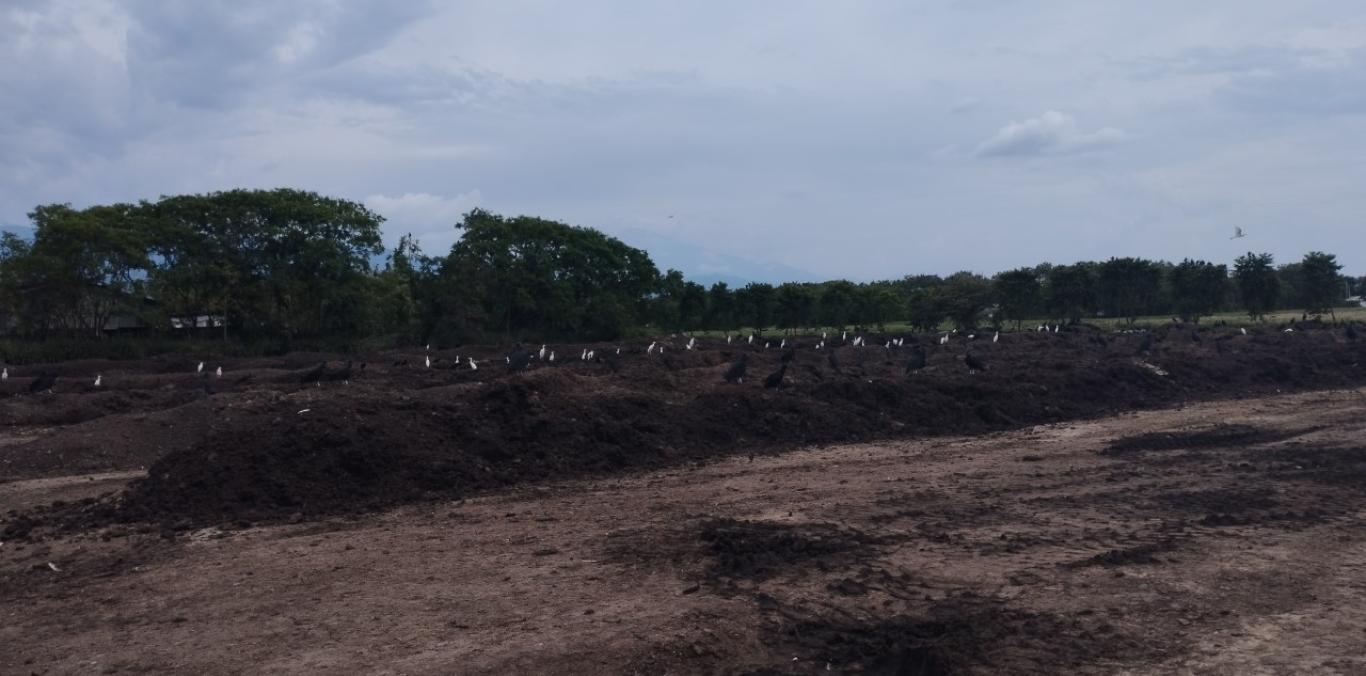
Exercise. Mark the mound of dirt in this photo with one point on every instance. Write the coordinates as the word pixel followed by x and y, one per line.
pixel 400 432
pixel 757 550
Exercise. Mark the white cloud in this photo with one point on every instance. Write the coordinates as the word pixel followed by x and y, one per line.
pixel 1052 133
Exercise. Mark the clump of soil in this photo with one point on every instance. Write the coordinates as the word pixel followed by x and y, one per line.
pixel 1219 436
pixel 757 550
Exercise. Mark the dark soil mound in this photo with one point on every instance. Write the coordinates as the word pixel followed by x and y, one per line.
pixel 758 550
pixel 400 432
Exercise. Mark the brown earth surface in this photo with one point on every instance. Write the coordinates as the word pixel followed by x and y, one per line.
pixel 636 515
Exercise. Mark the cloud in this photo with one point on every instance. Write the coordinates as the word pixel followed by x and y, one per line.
pixel 429 218
pixel 1052 133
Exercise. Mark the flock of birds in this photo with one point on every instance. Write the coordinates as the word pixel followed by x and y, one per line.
pixel 521 359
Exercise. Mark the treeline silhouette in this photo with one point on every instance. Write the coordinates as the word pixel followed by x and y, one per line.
pixel 289 268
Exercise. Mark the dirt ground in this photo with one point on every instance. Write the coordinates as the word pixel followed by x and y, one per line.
pixel 1217 538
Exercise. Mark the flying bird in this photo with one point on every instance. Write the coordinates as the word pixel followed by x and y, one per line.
pixel 736 372
pixel 1237 233
pixel 775 379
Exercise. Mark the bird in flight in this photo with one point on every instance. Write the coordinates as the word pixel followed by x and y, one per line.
pixel 1237 233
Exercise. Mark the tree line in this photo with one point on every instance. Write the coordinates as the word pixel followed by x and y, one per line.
pixel 286 265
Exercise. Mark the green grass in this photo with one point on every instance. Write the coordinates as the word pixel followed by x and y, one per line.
pixel 1236 318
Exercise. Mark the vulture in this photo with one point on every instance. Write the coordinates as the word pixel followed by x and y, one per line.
pixel 1147 343
pixel 1351 332
pixel 518 360
pixel 834 361
pixel 789 355
pixel 44 382
pixel 775 379
pixel 736 372
pixel 916 360
pixel 315 374
pixel 974 364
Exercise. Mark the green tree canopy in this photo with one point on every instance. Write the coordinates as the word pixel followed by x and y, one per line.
pixel 1258 285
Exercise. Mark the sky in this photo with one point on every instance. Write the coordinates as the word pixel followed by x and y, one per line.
pixel 740 140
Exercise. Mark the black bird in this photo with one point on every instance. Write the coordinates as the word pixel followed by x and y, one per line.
pixel 44 382
pixel 775 379
pixel 974 364
pixel 1351 332
pixel 314 375
pixel 789 355
pixel 834 361
pixel 206 383
pixel 1147 343
pixel 1195 336
pixel 736 372
pixel 916 360
pixel 518 360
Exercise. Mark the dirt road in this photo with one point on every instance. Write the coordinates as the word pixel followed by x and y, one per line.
pixel 1222 538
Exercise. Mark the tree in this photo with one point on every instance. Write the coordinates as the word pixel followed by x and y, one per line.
pixel 877 303
pixel 795 303
pixel 1258 286
pixel 1322 287
pixel 837 304
pixel 1128 287
pixel 1070 291
pixel 964 297
pixel 1018 293
pixel 720 307
pixel 539 278
pixel 755 304
pixel 1197 288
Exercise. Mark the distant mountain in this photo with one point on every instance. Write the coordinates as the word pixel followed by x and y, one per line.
pixel 707 267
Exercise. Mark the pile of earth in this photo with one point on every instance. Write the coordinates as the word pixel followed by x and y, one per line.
pixel 398 434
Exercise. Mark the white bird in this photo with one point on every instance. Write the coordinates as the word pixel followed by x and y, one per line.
pixel 219 372
pixel 728 340
pixel 541 355
pixel 650 349
pixel 618 350
pixel 972 336
pixel 888 346
pixel 552 356
pixel 584 356
pixel 1237 233
pixel 1056 327
pixel 590 354
pixel 201 368
pixel 473 366
pixel 1244 331
pixel 429 347
pixel 98 379
pixel 5 374
pixel 767 345
pixel 429 361
pixel 996 338
pixel 506 360
pixel 661 349
pixel 1289 331
pixel 692 342
pixel 944 339
pixel 822 336
pixel 751 339
pixel 844 336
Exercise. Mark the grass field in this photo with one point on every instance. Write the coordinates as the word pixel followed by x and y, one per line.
pixel 1357 314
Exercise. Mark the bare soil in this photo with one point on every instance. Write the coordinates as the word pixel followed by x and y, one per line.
pixel 642 517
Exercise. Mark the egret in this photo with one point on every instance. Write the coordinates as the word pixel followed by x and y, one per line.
pixel 751 339
pixel 1244 330
pixel 996 338
pixel 618 350
pixel 591 354
pixel 584 355
pixel 783 344
pixel 201 368
pixel 648 350
pixel 692 342
pixel 98 379
pixel 473 366
pixel 541 355
pixel 219 372
pixel 1237 233
pixel 429 361
pixel 1056 327
pixel 728 339
pixel 844 336
pixel 944 339
pixel 5 375
pixel 552 356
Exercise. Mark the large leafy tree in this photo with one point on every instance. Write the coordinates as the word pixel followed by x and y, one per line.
pixel 1322 286
pixel 1258 285
pixel 965 297
pixel 1128 287
pixel 756 304
pixel 81 268
pixel 720 307
pixel 539 278
pixel 878 303
pixel 1071 291
pixel 1197 288
pixel 795 303
pixel 1018 294
pixel 837 304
